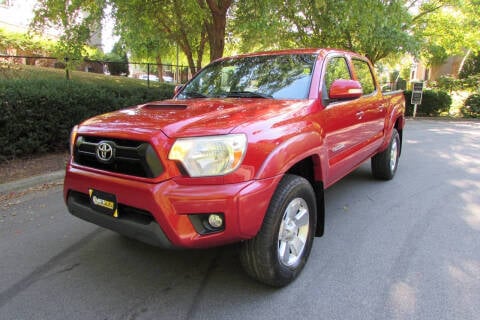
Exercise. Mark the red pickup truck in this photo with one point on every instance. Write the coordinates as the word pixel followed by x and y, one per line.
pixel 242 153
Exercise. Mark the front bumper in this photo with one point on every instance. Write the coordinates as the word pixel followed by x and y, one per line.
pixel 160 213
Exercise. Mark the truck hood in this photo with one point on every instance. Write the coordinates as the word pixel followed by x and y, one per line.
pixel 193 117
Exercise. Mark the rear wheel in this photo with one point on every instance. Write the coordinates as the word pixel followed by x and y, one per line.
pixel 281 248
pixel 384 164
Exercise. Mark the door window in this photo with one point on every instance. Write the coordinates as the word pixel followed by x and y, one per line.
pixel 337 68
pixel 365 76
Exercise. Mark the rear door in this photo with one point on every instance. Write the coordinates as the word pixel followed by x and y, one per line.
pixel 373 110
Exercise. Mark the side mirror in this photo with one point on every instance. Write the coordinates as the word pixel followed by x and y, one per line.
pixel 177 89
pixel 345 89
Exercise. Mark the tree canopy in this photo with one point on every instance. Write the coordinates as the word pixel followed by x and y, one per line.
pixel 77 19
pixel 453 28
pixel 206 28
pixel 374 28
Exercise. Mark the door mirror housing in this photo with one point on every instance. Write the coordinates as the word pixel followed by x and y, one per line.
pixel 342 89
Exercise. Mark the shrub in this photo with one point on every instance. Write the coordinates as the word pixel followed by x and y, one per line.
pixel 471 66
pixel 36 115
pixel 449 83
pixel 433 103
pixel 471 107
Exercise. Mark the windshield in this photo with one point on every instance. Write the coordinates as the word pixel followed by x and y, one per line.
pixel 265 76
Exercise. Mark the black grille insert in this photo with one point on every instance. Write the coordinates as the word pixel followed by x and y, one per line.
pixel 124 212
pixel 131 157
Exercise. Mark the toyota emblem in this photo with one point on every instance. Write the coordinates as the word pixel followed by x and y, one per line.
pixel 105 151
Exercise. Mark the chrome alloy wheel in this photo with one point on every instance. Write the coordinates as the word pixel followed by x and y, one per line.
pixel 393 155
pixel 293 232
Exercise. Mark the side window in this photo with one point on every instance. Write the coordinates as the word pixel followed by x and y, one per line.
pixel 337 68
pixel 364 75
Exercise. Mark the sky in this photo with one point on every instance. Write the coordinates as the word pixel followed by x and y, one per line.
pixel 108 38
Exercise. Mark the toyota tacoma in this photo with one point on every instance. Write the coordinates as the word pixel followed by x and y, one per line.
pixel 242 153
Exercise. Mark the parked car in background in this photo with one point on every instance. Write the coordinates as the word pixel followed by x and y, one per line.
pixel 153 77
pixel 150 77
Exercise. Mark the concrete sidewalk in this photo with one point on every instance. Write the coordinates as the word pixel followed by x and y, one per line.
pixel 32 181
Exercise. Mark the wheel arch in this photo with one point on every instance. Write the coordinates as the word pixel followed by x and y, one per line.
pixel 399 124
pixel 306 169
pixel 301 155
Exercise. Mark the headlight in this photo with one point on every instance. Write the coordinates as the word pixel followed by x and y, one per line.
pixel 73 136
pixel 211 155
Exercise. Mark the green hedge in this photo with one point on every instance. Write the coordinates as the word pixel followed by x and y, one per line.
pixel 433 103
pixel 36 116
pixel 471 107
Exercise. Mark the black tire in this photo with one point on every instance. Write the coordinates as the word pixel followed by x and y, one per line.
pixel 281 235
pixel 385 163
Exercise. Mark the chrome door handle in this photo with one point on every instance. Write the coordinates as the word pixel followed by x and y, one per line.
pixel 360 114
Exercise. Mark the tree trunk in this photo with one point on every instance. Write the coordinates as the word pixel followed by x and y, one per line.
pixel 188 53
pixel 201 49
pixel 216 36
pixel 216 25
pixel 158 58
pixel 465 57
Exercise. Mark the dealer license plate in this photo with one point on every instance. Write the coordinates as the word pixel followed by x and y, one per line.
pixel 104 202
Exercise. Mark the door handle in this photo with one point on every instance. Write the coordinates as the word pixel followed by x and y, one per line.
pixel 360 114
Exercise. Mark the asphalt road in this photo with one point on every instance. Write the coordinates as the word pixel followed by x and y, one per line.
pixel 404 249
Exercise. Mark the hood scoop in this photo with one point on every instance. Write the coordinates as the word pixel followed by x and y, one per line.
pixel 166 106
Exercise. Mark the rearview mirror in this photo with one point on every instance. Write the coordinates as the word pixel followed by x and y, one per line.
pixel 342 89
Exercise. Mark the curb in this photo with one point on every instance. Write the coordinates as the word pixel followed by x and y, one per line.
pixel 32 181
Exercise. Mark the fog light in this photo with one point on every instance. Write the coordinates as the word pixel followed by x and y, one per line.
pixel 208 223
pixel 215 221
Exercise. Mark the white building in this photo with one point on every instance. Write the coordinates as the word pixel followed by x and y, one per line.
pixel 16 15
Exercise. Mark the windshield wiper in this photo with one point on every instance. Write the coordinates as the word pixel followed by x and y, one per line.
pixel 247 94
pixel 193 94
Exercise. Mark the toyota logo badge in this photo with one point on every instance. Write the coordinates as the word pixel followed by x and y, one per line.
pixel 105 152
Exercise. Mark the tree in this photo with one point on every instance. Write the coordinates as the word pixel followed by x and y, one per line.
pixel 259 25
pixel 374 28
pixel 447 28
pixel 471 66
pixel 215 24
pixel 164 23
pixel 117 60
pixel 190 24
pixel 76 19
pixel 25 44
pixel 142 36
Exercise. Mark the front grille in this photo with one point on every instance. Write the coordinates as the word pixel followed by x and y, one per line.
pixel 135 158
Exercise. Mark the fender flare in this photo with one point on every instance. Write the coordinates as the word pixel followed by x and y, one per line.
pixel 292 151
pixel 395 115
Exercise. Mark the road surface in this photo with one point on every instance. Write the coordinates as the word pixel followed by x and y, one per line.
pixel 404 249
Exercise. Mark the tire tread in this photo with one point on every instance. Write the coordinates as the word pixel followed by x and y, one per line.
pixel 380 163
pixel 255 262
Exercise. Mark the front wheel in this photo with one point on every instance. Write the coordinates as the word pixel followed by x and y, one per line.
pixel 384 164
pixel 280 250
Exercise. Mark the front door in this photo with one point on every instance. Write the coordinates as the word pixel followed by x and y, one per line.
pixel 342 121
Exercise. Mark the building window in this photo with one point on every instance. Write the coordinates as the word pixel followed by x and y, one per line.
pixel 427 74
